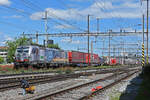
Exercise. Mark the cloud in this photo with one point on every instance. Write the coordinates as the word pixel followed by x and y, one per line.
pixel 56 13
pixel 131 5
pixel 64 26
pixel 13 16
pixel 5 2
pixel 8 38
pixel 100 9
pixel 5 38
pixel 16 16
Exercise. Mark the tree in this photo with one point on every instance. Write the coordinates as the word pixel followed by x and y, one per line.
pixel 12 46
pixel 1 60
pixel 55 46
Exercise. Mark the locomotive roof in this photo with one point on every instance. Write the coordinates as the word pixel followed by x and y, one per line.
pixel 40 46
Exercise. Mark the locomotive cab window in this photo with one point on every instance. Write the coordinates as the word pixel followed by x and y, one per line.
pixel 19 50
pixel 26 49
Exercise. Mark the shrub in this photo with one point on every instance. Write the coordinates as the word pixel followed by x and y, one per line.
pixel 59 71
pixel 68 70
pixel 146 71
pixel 1 60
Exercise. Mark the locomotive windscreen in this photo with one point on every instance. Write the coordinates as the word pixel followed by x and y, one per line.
pixel 23 49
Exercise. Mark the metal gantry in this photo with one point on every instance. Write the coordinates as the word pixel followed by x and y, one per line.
pixel 86 34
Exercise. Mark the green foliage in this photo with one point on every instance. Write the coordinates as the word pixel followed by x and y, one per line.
pixel 55 46
pixel 59 71
pixel 146 71
pixel 1 60
pixel 12 45
pixel 143 92
pixel 69 71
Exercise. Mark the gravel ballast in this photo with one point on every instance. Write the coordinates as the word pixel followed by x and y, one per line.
pixel 125 90
pixel 16 94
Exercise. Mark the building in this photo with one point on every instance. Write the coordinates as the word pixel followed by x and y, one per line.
pixel 3 52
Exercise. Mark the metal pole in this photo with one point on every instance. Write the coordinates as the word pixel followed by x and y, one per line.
pixel 91 52
pixel 143 51
pixel 37 40
pixel 109 47
pixel 88 38
pixel 143 28
pixel 46 28
pixel 123 53
pixel 147 28
pixel 103 49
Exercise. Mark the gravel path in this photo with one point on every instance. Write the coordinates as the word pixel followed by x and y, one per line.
pixel 77 94
pixel 16 94
pixel 118 90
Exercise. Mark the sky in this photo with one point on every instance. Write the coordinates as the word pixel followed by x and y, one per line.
pixel 18 16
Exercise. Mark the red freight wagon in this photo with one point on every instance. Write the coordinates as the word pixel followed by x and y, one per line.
pixel 96 59
pixel 113 61
pixel 87 58
pixel 76 57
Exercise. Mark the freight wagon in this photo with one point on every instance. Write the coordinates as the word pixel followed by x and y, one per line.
pixel 43 57
pixel 81 58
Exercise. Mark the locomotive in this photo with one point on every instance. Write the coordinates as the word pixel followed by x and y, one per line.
pixel 36 56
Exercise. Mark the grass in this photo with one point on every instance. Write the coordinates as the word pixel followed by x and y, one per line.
pixel 115 96
pixel 144 91
pixel 61 70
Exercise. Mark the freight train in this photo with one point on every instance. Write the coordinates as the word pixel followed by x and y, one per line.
pixel 121 61
pixel 36 56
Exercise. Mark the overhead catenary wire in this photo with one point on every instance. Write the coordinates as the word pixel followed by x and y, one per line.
pixel 16 26
pixel 16 10
pixel 25 13
pixel 29 3
pixel 33 5
pixel 103 8
pixel 68 7
pixel 20 11
pixel 61 19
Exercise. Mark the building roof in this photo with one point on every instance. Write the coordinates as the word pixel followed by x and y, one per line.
pixel 3 47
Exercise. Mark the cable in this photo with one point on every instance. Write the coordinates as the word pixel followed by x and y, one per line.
pixel 17 10
pixel 14 25
pixel 28 4
pixel 78 28
pixel 103 9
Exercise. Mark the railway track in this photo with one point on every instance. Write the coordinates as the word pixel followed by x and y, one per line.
pixel 53 72
pixel 75 93
pixel 14 78
pixel 91 95
pixel 27 76
pixel 11 84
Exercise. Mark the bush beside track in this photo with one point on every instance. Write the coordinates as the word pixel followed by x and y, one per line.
pixel 144 91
